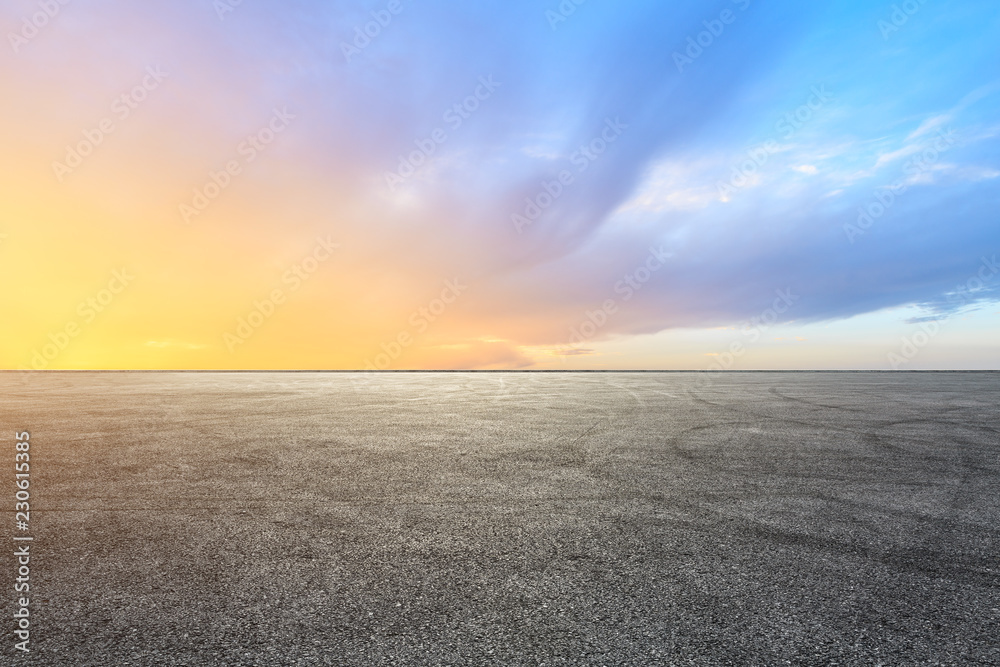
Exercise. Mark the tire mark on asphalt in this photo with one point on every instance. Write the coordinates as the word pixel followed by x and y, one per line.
pixel 934 564
pixel 775 392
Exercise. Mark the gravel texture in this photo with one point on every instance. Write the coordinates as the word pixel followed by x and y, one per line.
pixel 507 518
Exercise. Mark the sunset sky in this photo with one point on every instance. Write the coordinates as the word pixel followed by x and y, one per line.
pixel 500 184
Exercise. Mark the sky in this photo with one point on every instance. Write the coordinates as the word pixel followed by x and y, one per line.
pixel 583 184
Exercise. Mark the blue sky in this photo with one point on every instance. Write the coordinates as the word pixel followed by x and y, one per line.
pixel 844 153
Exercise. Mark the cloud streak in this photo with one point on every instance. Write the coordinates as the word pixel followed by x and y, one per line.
pixel 412 99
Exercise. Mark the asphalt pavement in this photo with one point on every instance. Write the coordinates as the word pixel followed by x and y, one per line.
pixel 506 518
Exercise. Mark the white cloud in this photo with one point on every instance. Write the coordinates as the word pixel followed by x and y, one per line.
pixel 930 124
pixel 977 174
pixel 676 185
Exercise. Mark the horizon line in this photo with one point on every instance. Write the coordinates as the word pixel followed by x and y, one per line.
pixel 487 370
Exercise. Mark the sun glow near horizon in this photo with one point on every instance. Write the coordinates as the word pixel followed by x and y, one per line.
pixel 190 189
